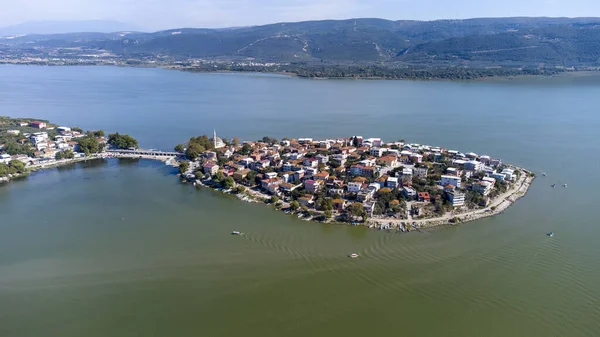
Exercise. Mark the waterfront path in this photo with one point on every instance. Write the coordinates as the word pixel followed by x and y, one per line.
pixel 498 205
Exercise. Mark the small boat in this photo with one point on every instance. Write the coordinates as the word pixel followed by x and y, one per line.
pixel 236 233
pixel 544 174
pixel 564 185
pixel 551 234
pixel 553 185
pixel 353 255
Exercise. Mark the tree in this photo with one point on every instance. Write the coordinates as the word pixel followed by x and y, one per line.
pixel 77 129
pixel 199 174
pixel 67 154
pixel 294 205
pixel 246 149
pixel 89 144
pixel 229 182
pixel 251 177
pixel 274 199
pixel 183 166
pixel 439 207
pixel 325 204
pixel 219 177
pixel 194 150
pixel 357 209
pixel 235 141
pixel 122 141
pixel 328 214
pixel 16 166
pixel 179 148
pixel 12 148
pixel 4 170
pixel 99 133
pixel 240 189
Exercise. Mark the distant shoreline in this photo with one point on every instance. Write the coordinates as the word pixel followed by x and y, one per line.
pixel 444 73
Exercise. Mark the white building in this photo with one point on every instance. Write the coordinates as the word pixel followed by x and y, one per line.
pixel 322 158
pixel 354 187
pixel 38 137
pixel 217 142
pixel 451 180
pixel 391 182
pixel 246 162
pixel 483 187
pixel 376 151
pixel 41 146
pixel 456 198
pixel 271 175
pixel 473 165
pixel 374 141
pixel 4 158
pixel 509 174
pixel 409 192
pixel 13 132
pixel 374 186
pixel 420 172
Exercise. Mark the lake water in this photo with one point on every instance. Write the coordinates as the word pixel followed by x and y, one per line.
pixel 121 248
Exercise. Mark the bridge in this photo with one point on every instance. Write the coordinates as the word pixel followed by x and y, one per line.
pixel 140 152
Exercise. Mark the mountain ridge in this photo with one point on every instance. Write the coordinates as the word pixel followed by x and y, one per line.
pixel 477 42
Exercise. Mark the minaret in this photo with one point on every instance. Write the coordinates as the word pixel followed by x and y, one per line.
pixel 215 138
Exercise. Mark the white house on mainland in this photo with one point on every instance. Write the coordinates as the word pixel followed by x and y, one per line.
pixel 456 198
pixel 451 180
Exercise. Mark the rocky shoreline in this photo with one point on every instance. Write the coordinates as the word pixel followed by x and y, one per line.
pixel 495 207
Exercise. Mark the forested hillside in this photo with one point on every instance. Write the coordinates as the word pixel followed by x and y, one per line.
pixel 477 42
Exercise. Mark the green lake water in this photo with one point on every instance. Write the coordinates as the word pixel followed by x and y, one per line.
pixel 121 248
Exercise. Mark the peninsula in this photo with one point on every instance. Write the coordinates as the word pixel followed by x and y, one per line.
pixel 356 179
pixel 28 144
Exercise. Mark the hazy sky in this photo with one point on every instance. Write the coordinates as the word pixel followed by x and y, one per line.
pixel 161 14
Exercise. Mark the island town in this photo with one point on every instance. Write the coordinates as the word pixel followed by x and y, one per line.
pixel 355 179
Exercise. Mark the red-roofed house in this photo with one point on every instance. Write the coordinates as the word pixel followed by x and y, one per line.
pixel 38 125
pixel 313 186
pixel 210 168
pixel 424 196
pixel 321 175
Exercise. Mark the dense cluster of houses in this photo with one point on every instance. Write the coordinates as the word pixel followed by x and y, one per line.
pixel 44 146
pixel 354 169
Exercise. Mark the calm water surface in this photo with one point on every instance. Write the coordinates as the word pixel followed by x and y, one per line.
pixel 120 248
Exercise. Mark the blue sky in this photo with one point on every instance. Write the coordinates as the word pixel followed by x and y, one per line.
pixel 162 14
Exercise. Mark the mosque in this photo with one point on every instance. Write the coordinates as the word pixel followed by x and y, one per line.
pixel 217 142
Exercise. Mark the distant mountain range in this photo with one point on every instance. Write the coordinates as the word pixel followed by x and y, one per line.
pixel 62 27
pixel 519 41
